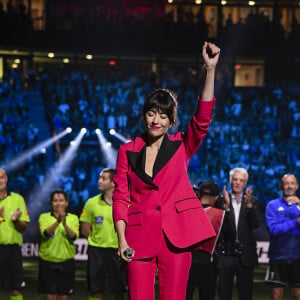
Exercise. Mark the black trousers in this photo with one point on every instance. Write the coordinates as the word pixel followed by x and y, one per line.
pixel 203 277
pixel 228 267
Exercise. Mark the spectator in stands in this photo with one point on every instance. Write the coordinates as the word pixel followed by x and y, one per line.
pixel 59 230
pixel 283 222
pixel 13 222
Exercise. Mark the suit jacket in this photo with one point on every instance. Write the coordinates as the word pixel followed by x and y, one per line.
pixel 249 219
pixel 166 201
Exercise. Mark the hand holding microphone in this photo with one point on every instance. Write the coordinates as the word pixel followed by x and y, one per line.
pixel 128 253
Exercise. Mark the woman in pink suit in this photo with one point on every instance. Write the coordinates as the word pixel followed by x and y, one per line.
pixel 155 209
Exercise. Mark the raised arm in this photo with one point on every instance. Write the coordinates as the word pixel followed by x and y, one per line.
pixel 198 126
pixel 210 54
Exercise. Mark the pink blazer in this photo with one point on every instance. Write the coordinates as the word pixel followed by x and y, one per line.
pixel 165 202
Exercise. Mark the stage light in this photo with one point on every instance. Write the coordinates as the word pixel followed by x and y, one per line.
pixel 89 56
pixel 112 62
pixel 119 136
pixel 53 178
pixel 109 153
pixel 51 55
pixel 69 129
pixel 27 155
pixel 97 131
pixel 112 131
pixel 83 130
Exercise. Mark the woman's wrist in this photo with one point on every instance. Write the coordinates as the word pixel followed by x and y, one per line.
pixel 209 66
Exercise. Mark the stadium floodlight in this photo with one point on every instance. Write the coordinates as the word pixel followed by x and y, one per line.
pixel 18 161
pixel 109 153
pixel 52 179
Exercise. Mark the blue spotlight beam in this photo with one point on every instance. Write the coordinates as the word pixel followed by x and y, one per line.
pixel 118 136
pixel 22 158
pixel 110 154
pixel 39 194
pixel 121 137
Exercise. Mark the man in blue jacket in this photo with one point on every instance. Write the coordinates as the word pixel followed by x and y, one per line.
pixel 283 222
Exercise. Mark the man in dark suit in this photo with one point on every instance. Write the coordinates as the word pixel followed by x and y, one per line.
pixel 236 247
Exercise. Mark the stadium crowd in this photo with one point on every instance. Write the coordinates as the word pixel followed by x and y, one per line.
pixel 257 128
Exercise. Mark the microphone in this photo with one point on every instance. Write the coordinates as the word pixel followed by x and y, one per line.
pixel 128 252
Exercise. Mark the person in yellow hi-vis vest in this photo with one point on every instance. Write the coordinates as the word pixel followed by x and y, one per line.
pixel 59 230
pixel 13 222
pixel 98 227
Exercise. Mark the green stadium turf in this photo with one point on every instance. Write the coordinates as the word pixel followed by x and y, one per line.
pixel 261 290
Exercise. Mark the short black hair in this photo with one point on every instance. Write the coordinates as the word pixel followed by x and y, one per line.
pixel 111 172
pixel 163 100
pixel 209 188
pixel 58 192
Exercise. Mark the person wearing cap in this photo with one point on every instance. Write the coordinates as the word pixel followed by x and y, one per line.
pixel 203 271
pixel 236 248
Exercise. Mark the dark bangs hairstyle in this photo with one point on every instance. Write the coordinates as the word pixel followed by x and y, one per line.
pixel 58 192
pixel 163 100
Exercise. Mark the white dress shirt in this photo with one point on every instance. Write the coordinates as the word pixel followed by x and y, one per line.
pixel 236 204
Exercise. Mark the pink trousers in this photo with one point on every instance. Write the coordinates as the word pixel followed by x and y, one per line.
pixel 173 270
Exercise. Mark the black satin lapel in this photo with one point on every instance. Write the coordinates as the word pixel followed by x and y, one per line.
pixel 165 153
pixel 137 162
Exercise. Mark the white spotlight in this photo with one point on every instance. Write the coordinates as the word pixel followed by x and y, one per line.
pixel 118 136
pixel 69 129
pixel 108 152
pixel 98 131
pixel 83 130
pixel 112 131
